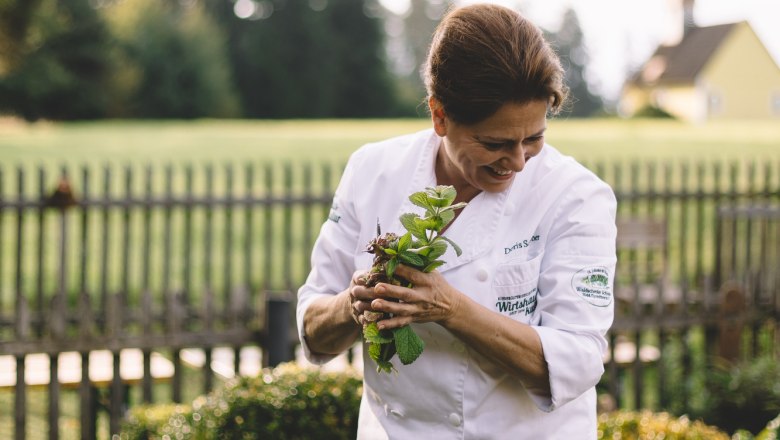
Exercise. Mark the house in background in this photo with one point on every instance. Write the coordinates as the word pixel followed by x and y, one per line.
pixel 715 72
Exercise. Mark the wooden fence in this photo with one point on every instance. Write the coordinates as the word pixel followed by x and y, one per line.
pixel 112 280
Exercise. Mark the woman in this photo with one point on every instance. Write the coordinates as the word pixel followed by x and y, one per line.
pixel 514 328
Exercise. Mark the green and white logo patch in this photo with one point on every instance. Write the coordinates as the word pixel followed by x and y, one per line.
pixel 592 284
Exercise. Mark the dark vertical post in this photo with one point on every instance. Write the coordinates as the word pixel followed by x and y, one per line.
pixel 307 207
pixel 287 227
pixel 683 255
pixel 104 247
pixel 666 210
pixel 40 304
pixel 146 294
pixel 188 210
pixel 22 329
pixel 268 254
pixel 278 328
pixel 54 396
pixel 125 292
pixel 87 405
pixel 207 274
pixel 248 240
pixel 117 399
pixel 59 320
pixel 229 296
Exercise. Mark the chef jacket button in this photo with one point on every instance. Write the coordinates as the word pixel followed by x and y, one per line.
pixel 482 274
pixel 509 209
pixel 454 419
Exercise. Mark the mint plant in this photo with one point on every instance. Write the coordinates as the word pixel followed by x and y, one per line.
pixel 419 247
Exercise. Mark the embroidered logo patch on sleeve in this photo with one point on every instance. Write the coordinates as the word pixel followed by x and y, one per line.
pixel 592 284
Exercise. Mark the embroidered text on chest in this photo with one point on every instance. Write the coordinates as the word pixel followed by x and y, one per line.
pixel 523 303
pixel 522 244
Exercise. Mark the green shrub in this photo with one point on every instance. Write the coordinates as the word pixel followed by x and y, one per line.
pixel 772 430
pixel 288 402
pixel 651 111
pixel 628 425
pixel 155 421
pixel 745 395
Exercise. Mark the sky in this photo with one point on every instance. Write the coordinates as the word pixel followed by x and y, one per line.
pixel 621 34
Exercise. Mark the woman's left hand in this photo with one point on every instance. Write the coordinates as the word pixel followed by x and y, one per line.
pixel 431 299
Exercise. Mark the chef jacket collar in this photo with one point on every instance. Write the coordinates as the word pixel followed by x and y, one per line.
pixel 474 230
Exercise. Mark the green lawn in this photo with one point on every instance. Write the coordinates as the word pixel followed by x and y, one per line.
pixel 314 140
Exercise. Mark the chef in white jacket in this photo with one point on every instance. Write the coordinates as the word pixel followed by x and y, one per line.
pixel 514 328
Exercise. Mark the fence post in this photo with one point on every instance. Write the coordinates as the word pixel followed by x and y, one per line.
pixel 278 327
pixel 731 321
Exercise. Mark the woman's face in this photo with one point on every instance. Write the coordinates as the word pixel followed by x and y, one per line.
pixel 486 156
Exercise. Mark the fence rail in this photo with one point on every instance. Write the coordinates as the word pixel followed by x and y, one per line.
pixel 164 259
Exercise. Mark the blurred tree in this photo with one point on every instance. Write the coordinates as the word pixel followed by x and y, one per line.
pixel 53 59
pixel 569 43
pixel 419 25
pixel 315 58
pixel 170 62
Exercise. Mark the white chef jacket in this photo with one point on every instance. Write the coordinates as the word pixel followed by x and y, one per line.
pixel 541 252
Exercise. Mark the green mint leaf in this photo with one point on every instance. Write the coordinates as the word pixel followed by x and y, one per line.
pixel 411 259
pixel 426 224
pixel 374 351
pixel 420 199
pixel 437 202
pixel 408 344
pixel 373 335
pixel 457 206
pixel 438 248
pixel 433 266
pixel 389 251
pixel 409 221
pixel 391 265
pixel 454 245
pixel 441 196
pixel 385 366
pixel 404 242
pixel 446 217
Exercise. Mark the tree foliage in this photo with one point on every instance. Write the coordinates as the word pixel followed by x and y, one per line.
pixel 569 43
pixel 53 59
pixel 169 62
pixel 75 59
pixel 305 62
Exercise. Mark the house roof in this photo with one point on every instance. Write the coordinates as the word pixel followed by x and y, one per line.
pixel 682 63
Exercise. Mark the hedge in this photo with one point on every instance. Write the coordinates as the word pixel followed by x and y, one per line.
pixel 291 402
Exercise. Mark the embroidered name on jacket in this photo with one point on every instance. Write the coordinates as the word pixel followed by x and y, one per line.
pixel 513 305
pixel 522 244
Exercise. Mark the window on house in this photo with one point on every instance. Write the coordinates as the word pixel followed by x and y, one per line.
pixel 714 103
pixel 776 103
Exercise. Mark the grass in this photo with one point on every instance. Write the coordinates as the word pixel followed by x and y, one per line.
pixel 245 140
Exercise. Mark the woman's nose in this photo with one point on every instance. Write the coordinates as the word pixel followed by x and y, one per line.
pixel 516 158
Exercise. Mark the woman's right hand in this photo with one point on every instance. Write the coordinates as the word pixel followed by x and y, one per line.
pixel 360 296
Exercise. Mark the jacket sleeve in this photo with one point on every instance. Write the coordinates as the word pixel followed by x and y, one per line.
pixel 575 302
pixel 333 255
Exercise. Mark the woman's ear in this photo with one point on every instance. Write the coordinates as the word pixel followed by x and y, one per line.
pixel 438 117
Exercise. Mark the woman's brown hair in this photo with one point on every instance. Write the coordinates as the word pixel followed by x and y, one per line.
pixel 484 56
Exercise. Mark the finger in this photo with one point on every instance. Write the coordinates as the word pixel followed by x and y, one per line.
pixel 396 308
pixel 410 274
pixel 361 293
pixel 394 322
pixel 359 277
pixel 384 290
